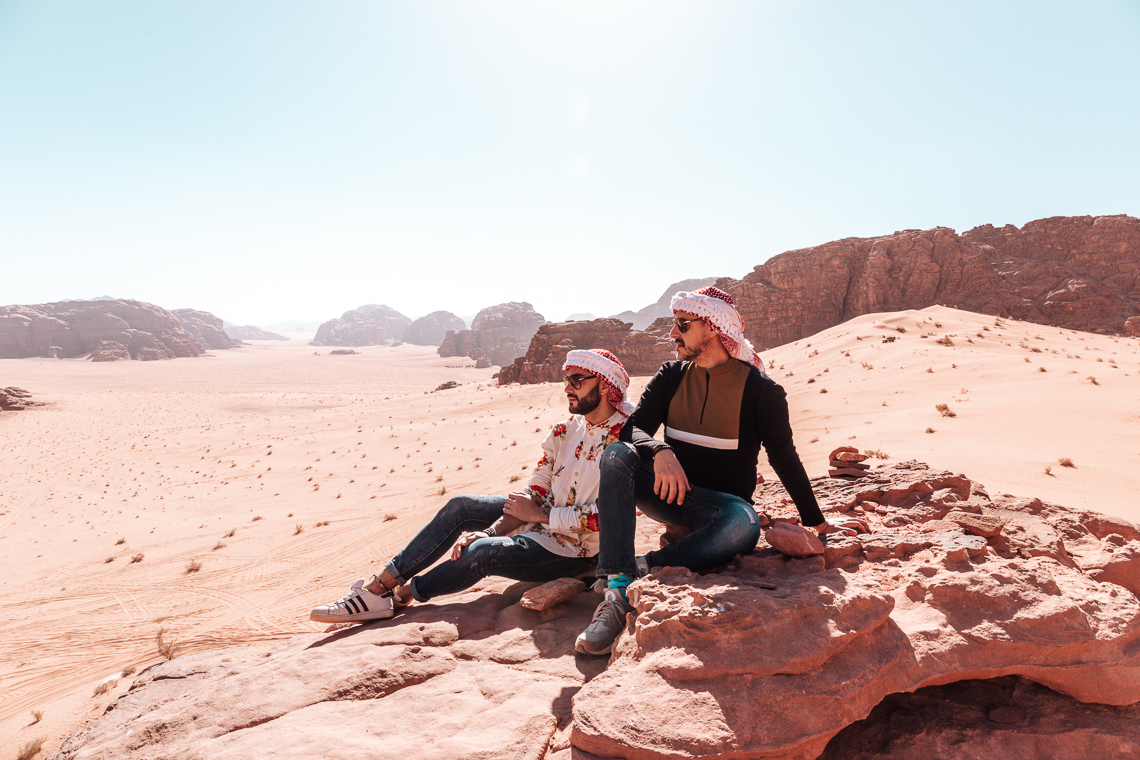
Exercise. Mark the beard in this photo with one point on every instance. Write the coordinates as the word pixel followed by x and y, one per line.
pixel 693 352
pixel 587 403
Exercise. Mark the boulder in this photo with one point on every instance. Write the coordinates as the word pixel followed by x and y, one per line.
pixel 370 325
pixel 500 333
pixel 431 329
pixel 1132 327
pixel 13 399
pixel 68 329
pixel 1081 272
pixel 642 353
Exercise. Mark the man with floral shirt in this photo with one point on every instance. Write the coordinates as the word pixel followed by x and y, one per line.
pixel 556 512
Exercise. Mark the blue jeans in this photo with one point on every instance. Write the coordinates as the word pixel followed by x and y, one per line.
pixel 519 558
pixel 722 525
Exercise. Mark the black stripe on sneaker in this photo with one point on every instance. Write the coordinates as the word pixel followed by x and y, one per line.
pixel 360 601
pixel 348 602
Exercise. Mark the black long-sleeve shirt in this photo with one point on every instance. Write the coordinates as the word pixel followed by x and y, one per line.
pixel 716 421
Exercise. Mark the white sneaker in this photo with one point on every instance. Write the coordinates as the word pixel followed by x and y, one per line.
pixel 356 606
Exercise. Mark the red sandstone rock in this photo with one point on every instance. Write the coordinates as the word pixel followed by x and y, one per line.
pixel 850 456
pixel 430 330
pixel 499 333
pixel 1132 326
pixel 642 353
pixel 549 594
pixel 978 525
pixel 1076 272
pixel 370 325
pixel 250 332
pixel 13 399
pixel 642 318
pixel 793 540
pixel 848 472
pixel 67 329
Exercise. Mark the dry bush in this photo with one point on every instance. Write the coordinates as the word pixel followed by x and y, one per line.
pixel 514 443
pixel 439 479
pixel 109 559
pixel 390 516
pixel 877 454
pixel 104 687
pixel 1066 462
pixel 1092 380
pixel 811 380
pixel 299 529
pixel 867 366
pixel 167 649
pixel 130 670
pixel 136 558
pixel 321 524
pixel 901 329
pixel 256 518
pixel 192 566
pixel 37 716
pixel 217 546
pixel 31 749
pixel 814 440
pixel 516 478
pixel 1049 471
pixel 231 533
pixel 120 541
pixel 823 390
pixel 442 491
pixel 945 410
pixel 944 341
pixel 1042 369
pixel 1035 350
pixel 930 430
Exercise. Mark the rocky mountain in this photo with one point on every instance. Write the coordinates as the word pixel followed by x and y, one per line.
pixel 641 352
pixel 430 330
pixel 1013 624
pixel 498 333
pixel 250 332
pixel 642 318
pixel 204 326
pixel 105 329
pixel 370 325
pixel 1080 272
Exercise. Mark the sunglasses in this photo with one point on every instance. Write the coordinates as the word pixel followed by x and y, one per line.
pixel 682 325
pixel 575 381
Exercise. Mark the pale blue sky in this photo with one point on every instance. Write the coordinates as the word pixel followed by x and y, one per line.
pixel 283 160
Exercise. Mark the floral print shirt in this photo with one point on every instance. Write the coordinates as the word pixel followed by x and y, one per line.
pixel 566 480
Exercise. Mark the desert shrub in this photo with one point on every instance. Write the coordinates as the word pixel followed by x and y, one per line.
pixel 1092 380
pixel 109 559
pixel 231 533
pixel 136 558
pixel 299 529
pixel 389 517
pixel 944 341
pixel 120 541
pixel 31 748
pixel 130 670
pixel 104 687
pixel 37 716
pixel 256 518
pixel 193 566
pixel 167 649
pixel 1066 462
pixel 930 430
pixel 217 546
pixel 811 380
pixel 877 454
pixel 945 410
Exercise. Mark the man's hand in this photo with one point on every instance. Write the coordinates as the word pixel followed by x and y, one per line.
pixel 523 507
pixel 464 541
pixel 848 526
pixel 670 482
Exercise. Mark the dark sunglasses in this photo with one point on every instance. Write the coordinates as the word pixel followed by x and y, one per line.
pixel 575 381
pixel 682 325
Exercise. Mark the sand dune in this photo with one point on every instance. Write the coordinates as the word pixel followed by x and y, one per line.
pixel 270 440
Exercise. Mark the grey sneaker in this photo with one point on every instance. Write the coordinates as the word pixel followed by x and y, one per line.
pixel 358 606
pixel 642 566
pixel 608 622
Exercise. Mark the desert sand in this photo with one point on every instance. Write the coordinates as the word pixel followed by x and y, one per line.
pixel 269 440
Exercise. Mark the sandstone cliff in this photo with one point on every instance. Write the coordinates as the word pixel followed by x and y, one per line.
pixel 430 330
pixel 204 326
pixel 642 353
pixel 498 333
pixel 769 657
pixel 13 399
pixel 66 329
pixel 250 332
pixel 370 325
pixel 1077 272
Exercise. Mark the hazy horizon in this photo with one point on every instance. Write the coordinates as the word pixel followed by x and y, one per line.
pixel 289 162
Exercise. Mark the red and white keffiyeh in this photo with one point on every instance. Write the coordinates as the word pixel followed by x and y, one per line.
pixel 718 309
pixel 607 367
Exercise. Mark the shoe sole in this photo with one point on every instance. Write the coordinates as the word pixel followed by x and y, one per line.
pixel 363 617
pixel 580 648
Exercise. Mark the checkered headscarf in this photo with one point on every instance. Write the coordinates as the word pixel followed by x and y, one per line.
pixel 605 366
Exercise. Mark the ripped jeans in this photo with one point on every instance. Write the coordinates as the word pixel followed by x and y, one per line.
pixel 519 558
pixel 722 525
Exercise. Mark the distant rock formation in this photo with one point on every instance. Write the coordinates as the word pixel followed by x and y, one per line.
pixel 250 332
pixel 580 317
pixel 13 399
pixel 498 333
pixel 770 657
pixel 642 318
pixel 641 352
pixel 205 327
pixel 370 325
pixel 431 329
pixel 67 329
pixel 1081 272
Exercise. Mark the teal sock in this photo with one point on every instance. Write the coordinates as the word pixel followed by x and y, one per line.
pixel 619 582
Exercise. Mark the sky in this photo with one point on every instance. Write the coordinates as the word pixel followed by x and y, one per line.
pixel 274 161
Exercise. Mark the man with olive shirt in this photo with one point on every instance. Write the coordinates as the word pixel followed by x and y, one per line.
pixel 718 407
